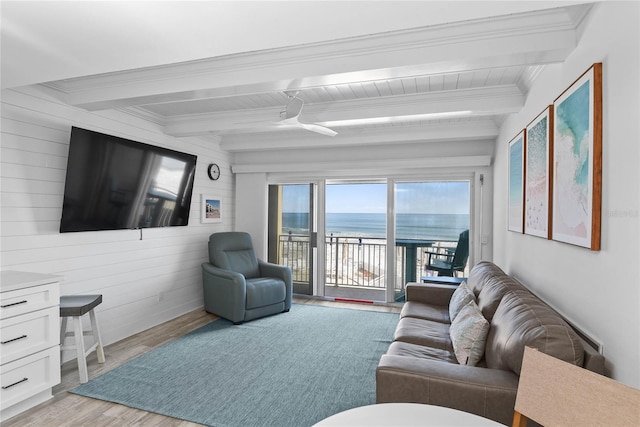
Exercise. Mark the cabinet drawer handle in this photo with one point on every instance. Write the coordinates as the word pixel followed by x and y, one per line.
pixel 12 304
pixel 4 387
pixel 12 340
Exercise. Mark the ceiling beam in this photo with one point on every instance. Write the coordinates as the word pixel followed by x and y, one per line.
pixel 375 166
pixel 478 101
pixel 480 129
pixel 540 37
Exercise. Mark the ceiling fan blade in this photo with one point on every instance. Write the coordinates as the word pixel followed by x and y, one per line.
pixel 290 118
pixel 318 129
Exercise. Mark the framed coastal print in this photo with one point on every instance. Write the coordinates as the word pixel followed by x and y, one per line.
pixel 577 164
pixel 211 209
pixel 516 180
pixel 537 177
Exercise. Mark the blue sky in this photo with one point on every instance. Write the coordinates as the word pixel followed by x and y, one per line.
pixel 425 197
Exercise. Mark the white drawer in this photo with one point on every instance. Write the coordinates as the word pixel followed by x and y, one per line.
pixel 20 301
pixel 29 333
pixel 28 376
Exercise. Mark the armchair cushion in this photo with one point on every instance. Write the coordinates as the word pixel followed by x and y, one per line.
pixel 234 251
pixel 263 291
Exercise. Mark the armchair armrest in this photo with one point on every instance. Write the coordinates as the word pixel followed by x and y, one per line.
pixel 283 272
pixel 214 271
pixel 268 269
pixel 490 393
pixel 225 292
pixel 430 293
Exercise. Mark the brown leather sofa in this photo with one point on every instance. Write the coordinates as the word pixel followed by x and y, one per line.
pixel 421 364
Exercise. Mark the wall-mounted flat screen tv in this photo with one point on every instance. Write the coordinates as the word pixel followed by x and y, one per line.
pixel 115 183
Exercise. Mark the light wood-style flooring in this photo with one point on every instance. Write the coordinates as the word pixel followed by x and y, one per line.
pixel 68 409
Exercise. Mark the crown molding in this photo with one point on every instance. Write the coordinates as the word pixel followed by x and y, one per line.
pixel 144 114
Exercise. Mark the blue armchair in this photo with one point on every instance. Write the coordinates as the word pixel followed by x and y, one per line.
pixel 240 287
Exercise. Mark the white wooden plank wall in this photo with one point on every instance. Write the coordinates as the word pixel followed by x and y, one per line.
pixel 143 282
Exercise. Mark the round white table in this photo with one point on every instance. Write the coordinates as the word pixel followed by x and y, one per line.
pixel 405 414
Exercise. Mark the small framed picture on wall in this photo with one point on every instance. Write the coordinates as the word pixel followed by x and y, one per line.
pixel 211 209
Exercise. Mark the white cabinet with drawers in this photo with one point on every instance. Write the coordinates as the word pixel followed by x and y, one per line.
pixel 29 340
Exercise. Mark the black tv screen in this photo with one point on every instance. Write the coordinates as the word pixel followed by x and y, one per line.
pixel 115 183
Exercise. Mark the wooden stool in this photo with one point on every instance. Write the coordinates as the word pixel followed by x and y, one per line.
pixel 75 306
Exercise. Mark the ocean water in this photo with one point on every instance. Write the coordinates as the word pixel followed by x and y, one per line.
pixel 408 226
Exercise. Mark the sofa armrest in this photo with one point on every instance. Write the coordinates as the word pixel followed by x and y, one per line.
pixel 282 272
pixel 430 293
pixel 490 393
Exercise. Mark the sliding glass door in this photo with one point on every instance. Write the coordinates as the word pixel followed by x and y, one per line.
pixel 376 236
pixel 292 232
pixel 430 216
pixel 355 240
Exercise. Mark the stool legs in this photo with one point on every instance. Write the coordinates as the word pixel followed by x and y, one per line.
pixel 96 334
pixel 63 335
pixel 81 351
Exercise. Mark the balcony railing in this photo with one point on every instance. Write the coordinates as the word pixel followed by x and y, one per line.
pixel 357 261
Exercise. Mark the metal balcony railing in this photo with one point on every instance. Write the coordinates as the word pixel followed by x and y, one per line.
pixel 356 261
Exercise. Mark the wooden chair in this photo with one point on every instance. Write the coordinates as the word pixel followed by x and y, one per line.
pixel 552 392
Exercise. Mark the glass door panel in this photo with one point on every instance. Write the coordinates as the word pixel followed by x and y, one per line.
pixel 429 217
pixel 355 241
pixel 291 228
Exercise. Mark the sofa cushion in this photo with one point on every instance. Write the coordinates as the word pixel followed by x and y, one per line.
pixel 480 273
pixel 420 310
pixel 468 334
pixel 423 332
pixel 461 297
pixel 399 348
pixel 491 294
pixel 523 320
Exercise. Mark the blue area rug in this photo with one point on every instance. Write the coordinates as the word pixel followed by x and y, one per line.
pixel 291 369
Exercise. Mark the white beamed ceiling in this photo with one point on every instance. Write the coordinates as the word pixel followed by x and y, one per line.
pixel 482 66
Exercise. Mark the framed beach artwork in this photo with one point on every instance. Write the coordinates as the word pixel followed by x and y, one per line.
pixel 516 180
pixel 537 177
pixel 577 161
pixel 211 209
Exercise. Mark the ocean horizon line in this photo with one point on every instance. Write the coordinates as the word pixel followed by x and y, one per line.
pixel 444 227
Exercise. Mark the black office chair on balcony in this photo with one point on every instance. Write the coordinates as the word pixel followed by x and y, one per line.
pixel 452 260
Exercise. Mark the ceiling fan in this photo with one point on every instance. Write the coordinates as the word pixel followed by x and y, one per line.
pixel 289 117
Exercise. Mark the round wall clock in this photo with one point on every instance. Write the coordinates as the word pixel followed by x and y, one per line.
pixel 213 171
